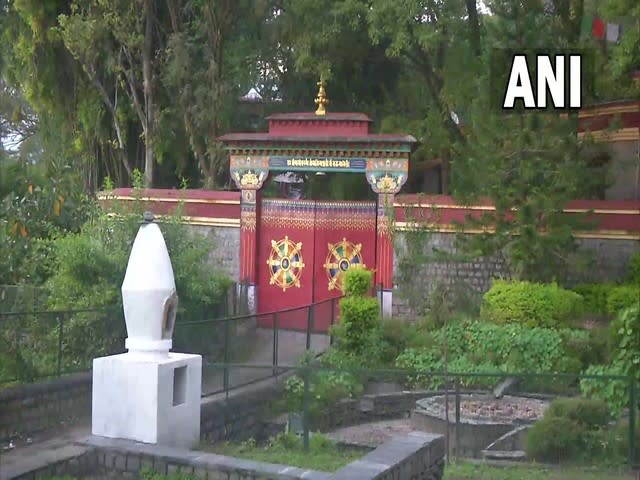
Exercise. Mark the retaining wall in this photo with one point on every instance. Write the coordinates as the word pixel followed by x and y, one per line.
pixel 417 455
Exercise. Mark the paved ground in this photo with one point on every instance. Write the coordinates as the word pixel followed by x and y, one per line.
pixel 59 444
pixel 291 346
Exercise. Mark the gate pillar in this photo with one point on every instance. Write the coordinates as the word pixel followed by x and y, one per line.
pixel 386 177
pixel 249 177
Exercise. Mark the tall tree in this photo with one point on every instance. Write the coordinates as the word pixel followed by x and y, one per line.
pixel 528 163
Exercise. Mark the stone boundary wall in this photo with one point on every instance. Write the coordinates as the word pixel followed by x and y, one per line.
pixel 225 245
pixel 610 263
pixel 416 455
pixel 28 409
pixel 31 408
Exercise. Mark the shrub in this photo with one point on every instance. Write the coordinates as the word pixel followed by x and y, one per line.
pixel 530 304
pixel 571 427
pixel 325 388
pixel 586 347
pixel 595 296
pixel 586 412
pixel 625 337
pixel 621 297
pixel 554 440
pixel 359 314
pixel 359 317
pixel 357 282
pixel 90 268
pixel 484 347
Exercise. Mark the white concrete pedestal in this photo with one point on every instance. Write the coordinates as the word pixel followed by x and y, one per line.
pixel 148 398
pixel 386 297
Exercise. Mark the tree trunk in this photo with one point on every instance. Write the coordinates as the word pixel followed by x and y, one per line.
pixel 147 73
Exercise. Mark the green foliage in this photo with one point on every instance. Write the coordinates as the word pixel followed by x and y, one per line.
pixel 634 269
pixel 586 412
pixel 622 297
pixel 483 347
pixel 359 314
pixel 89 270
pixel 325 388
pixel 357 282
pixel 595 296
pixel 625 333
pixel 288 449
pixel 572 429
pixel 359 317
pixel 531 304
pixel 553 440
pixel 587 347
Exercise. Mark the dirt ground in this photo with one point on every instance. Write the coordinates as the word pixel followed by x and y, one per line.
pixel 371 434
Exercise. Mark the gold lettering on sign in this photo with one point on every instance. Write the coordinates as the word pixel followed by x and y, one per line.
pixel 318 163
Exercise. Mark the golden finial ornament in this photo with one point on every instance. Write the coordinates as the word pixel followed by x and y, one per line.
pixel 321 99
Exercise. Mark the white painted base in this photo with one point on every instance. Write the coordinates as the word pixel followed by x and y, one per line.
pixel 134 398
pixel 387 303
pixel 252 301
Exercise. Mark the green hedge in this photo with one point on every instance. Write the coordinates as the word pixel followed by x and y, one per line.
pixel 574 429
pixel 475 346
pixel 531 304
pixel 595 296
pixel 622 297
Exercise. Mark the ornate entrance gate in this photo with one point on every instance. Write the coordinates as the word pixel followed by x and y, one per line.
pixel 304 249
pixel 292 252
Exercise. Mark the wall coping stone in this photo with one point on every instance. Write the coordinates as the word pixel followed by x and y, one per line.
pixel 49 386
pixel 391 454
pixel 201 459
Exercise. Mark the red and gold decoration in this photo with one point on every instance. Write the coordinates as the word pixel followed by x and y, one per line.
pixel 314 141
pixel 342 256
pixel 285 263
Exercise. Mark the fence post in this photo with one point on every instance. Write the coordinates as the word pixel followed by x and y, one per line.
pixel 275 343
pixel 309 322
pixel 633 405
pixel 457 418
pixel 60 337
pixel 226 358
pixel 305 410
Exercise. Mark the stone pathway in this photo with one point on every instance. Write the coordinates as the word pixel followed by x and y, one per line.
pixel 371 434
pixel 291 346
pixel 55 445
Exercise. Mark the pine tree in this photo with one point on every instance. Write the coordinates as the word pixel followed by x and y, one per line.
pixel 529 164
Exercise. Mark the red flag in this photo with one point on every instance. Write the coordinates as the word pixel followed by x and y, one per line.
pixel 598 28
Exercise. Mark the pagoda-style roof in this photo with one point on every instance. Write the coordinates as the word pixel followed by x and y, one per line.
pixel 307 130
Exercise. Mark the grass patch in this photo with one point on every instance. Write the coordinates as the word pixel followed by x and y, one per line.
pixel 287 449
pixel 477 471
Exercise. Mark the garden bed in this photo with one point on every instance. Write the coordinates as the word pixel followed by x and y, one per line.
pixel 287 449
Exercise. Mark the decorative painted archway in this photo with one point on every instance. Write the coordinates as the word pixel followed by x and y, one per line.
pixel 277 252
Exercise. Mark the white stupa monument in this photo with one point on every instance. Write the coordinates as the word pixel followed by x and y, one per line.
pixel 148 394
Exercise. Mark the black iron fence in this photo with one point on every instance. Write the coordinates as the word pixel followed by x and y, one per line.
pixel 45 344
pixel 481 415
pixel 274 338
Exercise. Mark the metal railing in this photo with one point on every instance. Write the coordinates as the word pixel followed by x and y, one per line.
pixel 48 344
pixel 273 338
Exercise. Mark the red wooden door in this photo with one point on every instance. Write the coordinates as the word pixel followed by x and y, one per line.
pixel 285 256
pixel 304 248
pixel 344 238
